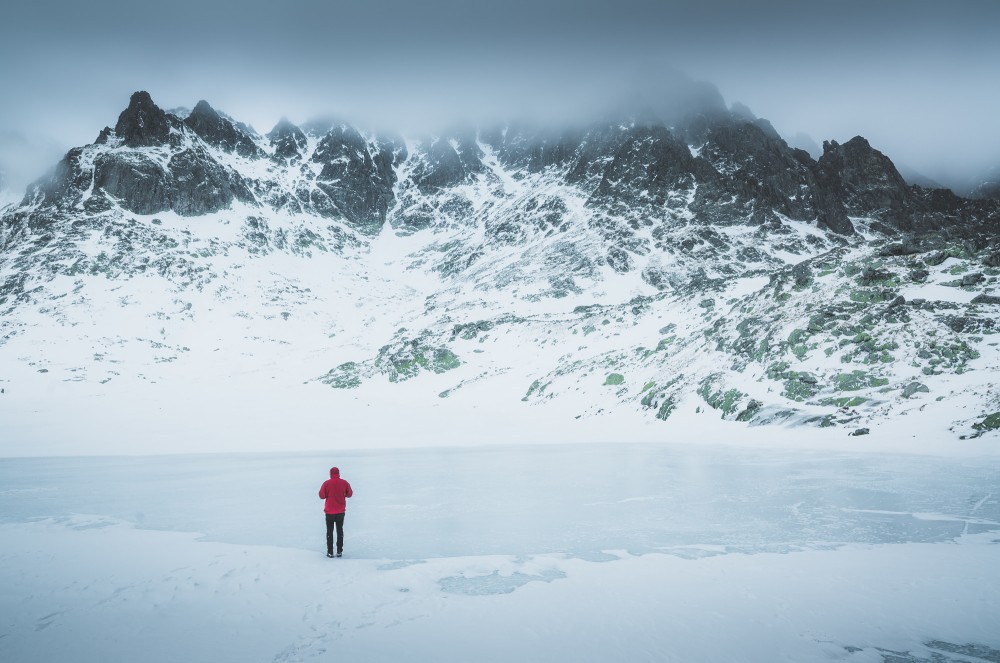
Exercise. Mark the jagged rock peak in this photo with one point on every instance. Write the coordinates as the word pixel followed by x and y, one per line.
pixel 104 136
pixel 206 122
pixel 450 160
pixel 859 161
pixel 288 140
pixel 143 123
pixel 217 130
pixel 858 180
pixel 283 127
pixel 204 110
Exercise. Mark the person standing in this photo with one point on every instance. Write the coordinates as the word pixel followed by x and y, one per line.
pixel 335 491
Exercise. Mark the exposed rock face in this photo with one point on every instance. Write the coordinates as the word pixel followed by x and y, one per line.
pixel 146 167
pixel 138 182
pixel 647 167
pixel 289 142
pixel 532 148
pixel 449 160
pixel 700 258
pixel 713 167
pixel 190 184
pixel 764 173
pixel 356 179
pixel 857 180
pixel 63 188
pixel 143 124
pixel 201 185
pixel 220 132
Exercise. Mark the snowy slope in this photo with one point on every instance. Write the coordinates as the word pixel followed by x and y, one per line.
pixel 190 284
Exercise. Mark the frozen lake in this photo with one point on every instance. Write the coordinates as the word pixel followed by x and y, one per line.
pixel 576 500
pixel 631 552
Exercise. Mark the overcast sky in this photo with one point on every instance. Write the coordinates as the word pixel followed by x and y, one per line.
pixel 921 80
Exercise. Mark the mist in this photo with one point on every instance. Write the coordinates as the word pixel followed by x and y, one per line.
pixel 917 78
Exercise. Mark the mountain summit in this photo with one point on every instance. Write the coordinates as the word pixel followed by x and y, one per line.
pixel 623 270
pixel 142 124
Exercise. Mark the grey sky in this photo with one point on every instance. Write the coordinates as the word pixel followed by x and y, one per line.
pixel 921 80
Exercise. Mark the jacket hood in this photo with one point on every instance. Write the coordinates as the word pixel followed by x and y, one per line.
pixel 334 472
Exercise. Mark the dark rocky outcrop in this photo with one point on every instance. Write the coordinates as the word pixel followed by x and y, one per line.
pixel 143 123
pixel 201 185
pixel 707 165
pixel 449 160
pixel 356 179
pixel 104 136
pixel 289 142
pixel 594 152
pixel 762 169
pixel 219 132
pixel 188 181
pixel 649 165
pixel 191 183
pixel 532 148
pixel 61 188
pixel 983 298
pixel 136 181
pixel 854 179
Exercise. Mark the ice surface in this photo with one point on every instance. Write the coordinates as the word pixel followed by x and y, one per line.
pixel 626 552
pixel 580 500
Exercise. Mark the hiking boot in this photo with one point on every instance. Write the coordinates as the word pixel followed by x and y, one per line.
pixel 340 554
pixel 330 554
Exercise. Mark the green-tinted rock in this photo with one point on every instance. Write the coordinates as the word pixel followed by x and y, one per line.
pixel 872 296
pixel 532 389
pixel 798 391
pixel 401 363
pixel 665 409
pixel 857 380
pixel 843 401
pixel 665 343
pixel 991 422
pixel 726 401
pixel 753 407
pixel 345 376
pixel 777 370
pixel 797 336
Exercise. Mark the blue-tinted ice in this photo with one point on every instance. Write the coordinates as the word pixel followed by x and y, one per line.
pixel 582 500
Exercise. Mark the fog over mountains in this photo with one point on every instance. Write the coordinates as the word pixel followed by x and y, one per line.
pixel 186 280
pixel 912 76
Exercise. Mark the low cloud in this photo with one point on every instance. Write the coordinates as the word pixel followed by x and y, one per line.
pixel 914 77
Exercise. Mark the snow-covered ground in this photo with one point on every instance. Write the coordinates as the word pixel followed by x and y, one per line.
pixel 605 552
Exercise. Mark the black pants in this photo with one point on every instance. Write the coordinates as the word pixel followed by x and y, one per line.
pixel 338 520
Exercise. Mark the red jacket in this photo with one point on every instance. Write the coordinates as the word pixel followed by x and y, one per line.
pixel 335 491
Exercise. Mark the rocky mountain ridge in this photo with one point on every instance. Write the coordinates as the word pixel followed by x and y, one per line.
pixel 623 267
